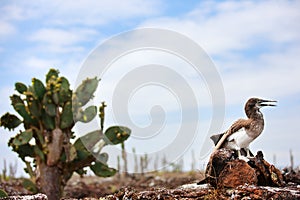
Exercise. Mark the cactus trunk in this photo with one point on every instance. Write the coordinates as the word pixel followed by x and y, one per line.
pixel 49 182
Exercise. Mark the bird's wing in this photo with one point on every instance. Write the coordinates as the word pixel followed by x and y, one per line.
pixel 241 123
pixel 219 139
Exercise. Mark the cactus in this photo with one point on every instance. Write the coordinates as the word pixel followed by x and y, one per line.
pixel 38 88
pixel 3 194
pixel 66 116
pixel 48 113
pixel 103 170
pixel 22 138
pixel 10 121
pixel 116 134
pixel 29 185
pixel 20 87
pixel 85 91
pixel 88 114
pixel 102 114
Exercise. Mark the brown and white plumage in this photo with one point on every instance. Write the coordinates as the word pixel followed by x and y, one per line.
pixel 242 132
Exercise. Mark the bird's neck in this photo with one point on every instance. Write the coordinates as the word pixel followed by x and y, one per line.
pixel 257 123
pixel 255 115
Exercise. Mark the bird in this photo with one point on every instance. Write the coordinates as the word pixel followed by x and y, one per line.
pixel 243 131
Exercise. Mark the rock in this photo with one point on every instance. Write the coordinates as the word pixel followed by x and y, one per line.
pixel 225 170
pixel 218 160
pixel 264 192
pixel 241 192
pixel 235 173
pixel 27 197
pixel 267 174
pixel 291 176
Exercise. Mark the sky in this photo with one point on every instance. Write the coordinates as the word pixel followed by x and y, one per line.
pixel 253 45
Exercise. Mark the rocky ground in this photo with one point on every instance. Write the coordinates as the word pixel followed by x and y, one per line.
pixel 164 185
pixel 97 187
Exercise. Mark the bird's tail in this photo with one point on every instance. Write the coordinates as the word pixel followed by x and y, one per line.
pixel 216 138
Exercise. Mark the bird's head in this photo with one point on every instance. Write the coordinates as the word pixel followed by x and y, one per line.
pixel 256 104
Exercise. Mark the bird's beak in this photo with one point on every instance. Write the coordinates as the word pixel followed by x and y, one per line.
pixel 267 103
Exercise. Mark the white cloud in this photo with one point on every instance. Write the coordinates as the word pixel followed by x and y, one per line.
pixel 62 40
pixel 15 12
pixel 231 26
pixel 231 31
pixel 5 93
pixel 69 15
pixel 273 75
pixel 6 29
pixel 39 66
pixel 102 12
pixel 8 14
pixel 34 63
pixel 88 12
pixel 61 36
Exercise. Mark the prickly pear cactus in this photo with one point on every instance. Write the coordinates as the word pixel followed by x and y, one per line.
pixel 48 113
pixel 3 194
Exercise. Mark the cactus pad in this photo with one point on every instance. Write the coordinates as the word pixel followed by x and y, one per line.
pixel 88 114
pixel 22 138
pixel 38 88
pixel 85 91
pixel 116 134
pixel 10 121
pixel 101 169
pixel 20 87
pixel 66 116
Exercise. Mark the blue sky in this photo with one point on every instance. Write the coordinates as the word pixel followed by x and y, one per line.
pixel 255 46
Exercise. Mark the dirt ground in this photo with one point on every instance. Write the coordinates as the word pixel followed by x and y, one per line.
pixel 99 187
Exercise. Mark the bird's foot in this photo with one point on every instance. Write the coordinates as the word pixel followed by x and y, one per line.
pixel 244 158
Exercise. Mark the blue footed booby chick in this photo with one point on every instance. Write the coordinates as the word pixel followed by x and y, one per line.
pixel 242 132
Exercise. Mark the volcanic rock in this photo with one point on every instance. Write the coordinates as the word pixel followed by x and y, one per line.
pixel 225 170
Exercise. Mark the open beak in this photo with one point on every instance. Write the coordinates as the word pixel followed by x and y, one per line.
pixel 267 103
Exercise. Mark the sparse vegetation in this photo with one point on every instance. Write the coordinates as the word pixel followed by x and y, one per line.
pixel 4 170
pixel 12 170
